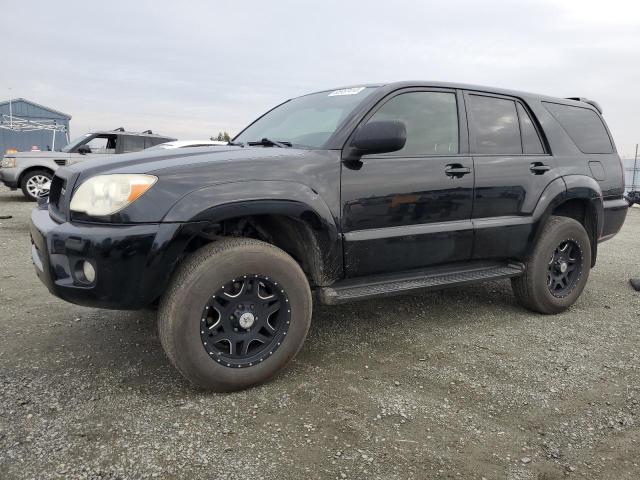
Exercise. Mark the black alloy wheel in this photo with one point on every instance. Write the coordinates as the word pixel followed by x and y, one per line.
pixel 565 267
pixel 245 321
pixel 557 269
pixel 235 313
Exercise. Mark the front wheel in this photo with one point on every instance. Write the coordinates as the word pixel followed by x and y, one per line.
pixel 236 312
pixel 557 271
pixel 36 184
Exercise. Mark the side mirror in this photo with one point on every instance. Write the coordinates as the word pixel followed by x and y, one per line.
pixel 379 137
pixel 84 149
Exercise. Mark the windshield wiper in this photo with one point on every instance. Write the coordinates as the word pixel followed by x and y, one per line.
pixel 235 144
pixel 270 143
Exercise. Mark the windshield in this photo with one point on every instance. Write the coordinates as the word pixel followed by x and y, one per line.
pixel 75 143
pixel 306 121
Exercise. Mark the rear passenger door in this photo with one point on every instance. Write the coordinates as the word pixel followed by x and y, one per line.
pixel 512 168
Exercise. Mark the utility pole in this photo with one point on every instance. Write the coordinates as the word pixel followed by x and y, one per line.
pixel 10 111
pixel 635 166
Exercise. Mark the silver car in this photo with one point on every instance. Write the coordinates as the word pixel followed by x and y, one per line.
pixel 32 171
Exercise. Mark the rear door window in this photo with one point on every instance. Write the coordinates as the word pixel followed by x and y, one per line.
pixel 131 143
pixel 494 125
pixel 584 126
pixel 531 143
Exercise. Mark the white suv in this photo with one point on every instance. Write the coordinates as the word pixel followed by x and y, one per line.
pixel 32 171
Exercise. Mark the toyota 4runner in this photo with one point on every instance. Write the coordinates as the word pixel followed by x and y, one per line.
pixel 335 196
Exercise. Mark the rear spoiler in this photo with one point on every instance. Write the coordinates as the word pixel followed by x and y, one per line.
pixel 586 100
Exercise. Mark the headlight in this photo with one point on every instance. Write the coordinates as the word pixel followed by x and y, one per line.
pixel 9 162
pixel 108 194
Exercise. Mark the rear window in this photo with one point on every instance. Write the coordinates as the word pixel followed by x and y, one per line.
pixel 584 126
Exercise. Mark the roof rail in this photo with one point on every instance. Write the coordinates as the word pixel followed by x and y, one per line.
pixel 119 129
pixel 586 100
pixel 148 131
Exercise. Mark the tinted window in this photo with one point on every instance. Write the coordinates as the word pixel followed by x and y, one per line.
pixel 584 126
pixel 131 143
pixel 495 125
pixel 530 139
pixel 431 119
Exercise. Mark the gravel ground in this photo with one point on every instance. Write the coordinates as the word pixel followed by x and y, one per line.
pixel 456 384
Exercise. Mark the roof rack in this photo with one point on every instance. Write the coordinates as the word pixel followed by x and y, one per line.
pixel 586 100
pixel 119 129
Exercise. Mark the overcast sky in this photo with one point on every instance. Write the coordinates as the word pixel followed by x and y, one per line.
pixel 190 69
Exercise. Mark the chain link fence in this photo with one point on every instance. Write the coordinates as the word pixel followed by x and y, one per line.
pixel 632 173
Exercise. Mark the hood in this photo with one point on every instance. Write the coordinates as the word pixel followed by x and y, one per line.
pixel 161 162
pixel 183 171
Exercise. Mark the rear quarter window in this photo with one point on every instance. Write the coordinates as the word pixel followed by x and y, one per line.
pixel 584 126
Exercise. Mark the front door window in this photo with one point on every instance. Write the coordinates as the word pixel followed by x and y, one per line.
pixel 431 120
pixel 102 144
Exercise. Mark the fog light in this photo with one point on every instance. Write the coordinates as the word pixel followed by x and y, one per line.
pixel 89 272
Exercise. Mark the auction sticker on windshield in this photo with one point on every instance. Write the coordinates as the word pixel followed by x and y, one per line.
pixel 346 91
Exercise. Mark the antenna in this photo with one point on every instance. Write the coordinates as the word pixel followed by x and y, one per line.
pixel 10 110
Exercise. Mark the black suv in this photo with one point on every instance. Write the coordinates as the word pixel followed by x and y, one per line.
pixel 338 195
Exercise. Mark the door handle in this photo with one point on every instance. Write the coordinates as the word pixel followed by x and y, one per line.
pixel 456 170
pixel 539 168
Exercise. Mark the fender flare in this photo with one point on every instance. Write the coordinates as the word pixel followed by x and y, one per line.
pixel 223 201
pixel 563 189
pixel 586 188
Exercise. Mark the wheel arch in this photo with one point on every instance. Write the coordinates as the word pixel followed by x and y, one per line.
pixel 288 215
pixel 574 196
pixel 33 169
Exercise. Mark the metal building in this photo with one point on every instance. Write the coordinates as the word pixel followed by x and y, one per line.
pixel 24 124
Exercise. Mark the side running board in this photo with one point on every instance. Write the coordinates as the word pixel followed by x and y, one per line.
pixel 375 286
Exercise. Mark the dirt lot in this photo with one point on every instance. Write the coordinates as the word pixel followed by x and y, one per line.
pixel 456 384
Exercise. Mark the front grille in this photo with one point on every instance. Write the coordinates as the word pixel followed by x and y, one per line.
pixel 60 161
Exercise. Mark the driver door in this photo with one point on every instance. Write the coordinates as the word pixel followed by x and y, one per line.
pixel 411 208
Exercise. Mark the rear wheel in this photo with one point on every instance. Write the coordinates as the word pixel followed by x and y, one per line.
pixel 557 271
pixel 36 184
pixel 236 312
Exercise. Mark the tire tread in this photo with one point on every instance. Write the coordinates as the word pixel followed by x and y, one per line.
pixel 524 286
pixel 167 321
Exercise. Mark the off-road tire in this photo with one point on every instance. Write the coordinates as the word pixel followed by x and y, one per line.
pixel 531 289
pixel 202 273
pixel 25 180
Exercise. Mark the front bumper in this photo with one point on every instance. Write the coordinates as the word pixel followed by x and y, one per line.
pixel 9 176
pixel 133 263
